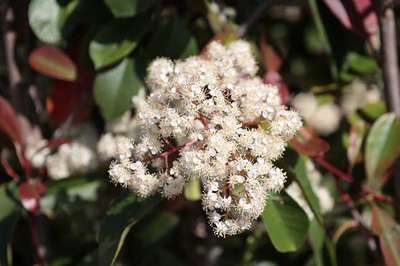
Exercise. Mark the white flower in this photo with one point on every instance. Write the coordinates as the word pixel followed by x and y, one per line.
pixel 326 118
pixel 325 199
pixel 203 120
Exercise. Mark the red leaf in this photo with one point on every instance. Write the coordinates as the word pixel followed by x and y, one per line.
pixel 9 122
pixel 53 62
pixel 30 192
pixel 271 59
pixel 67 97
pixel 309 144
pixel 357 15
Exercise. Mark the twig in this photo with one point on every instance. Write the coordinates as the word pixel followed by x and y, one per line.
pixel 390 70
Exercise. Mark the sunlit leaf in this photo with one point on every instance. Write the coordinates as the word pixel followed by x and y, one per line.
pixel 286 223
pixel 47 18
pixel 382 149
pixel 120 219
pixel 114 89
pixel 53 62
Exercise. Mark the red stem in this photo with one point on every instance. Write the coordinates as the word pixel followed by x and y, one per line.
pixel 332 169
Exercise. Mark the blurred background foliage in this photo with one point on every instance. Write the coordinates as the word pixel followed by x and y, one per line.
pixel 65 63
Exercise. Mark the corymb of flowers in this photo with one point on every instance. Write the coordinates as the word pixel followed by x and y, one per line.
pixel 209 117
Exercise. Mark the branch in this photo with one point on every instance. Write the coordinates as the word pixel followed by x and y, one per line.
pixel 390 70
pixel 389 55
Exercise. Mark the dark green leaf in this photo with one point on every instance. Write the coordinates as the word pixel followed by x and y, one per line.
pixel 10 212
pixel 72 188
pixel 158 227
pixel 114 89
pixel 116 40
pixel 124 8
pixel 382 149
pixel 121 217
pixel 47 18
pixel 300 175
pixel 172 39
pixel 286 223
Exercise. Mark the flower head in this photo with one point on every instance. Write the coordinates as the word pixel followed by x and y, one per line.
pixel 209 117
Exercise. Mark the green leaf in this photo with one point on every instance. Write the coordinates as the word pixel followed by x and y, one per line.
pixel 172 39
pixel 10 212
pixel 116 40
pixel 193 190
pixel 113 89
pixel 382 149
pixel 124 8
pixel 286 223
pixel 72 188
pixel 158 227
pixel 47 18
pixel 389 235
pixel 317 239
pixel 114 228
pixel 374 110
pixel 300 175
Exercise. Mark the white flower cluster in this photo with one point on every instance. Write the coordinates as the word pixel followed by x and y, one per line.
pixel 357 94
pixel 77 156
pixel 209 117
pixel 324 118
pixel 325 199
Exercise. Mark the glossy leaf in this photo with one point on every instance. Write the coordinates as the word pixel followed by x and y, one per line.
pixel 9 122
pixel 300 174
pixel 120 218
pixel 286 223
pixel 47 18
pixel 382 149
pixel 114 89
pixel 124 8
pixel 389 235
pixel 116 40
pixel 10 212
pixel 53 62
